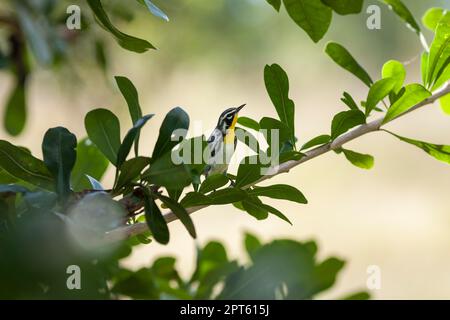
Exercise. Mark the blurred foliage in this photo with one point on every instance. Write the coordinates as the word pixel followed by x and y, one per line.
pixel 55 212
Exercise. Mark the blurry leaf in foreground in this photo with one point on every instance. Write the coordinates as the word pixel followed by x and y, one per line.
pixel 432 17
pixel 276 4
pixel 155 221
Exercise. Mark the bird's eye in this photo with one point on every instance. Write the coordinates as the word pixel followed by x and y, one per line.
pixel 229 117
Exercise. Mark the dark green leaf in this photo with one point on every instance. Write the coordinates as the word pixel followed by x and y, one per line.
pixel 155 221
pixel 23 166
pixel 284 135
pixel 277 86
pixel 437 151
pixel 255 208
pixel 213 182
pixel 181 214
pixel 403 12
pixel 89 161
pixel 276 4
pixel 319 140
pixel 357 296
pixel 60 155
pixel 176 119
pixel 414 94
pixel 311 15
pixel 124 40
pixel 277 213
pixel 226 196
pixel 130 170
pixel 363 161
pixel 279 191
pixel 344 7
pixel 345 120
pixel 130 137
pixel 249 171
pixel 193 199
pixel 249 123
pixel 15 112
pixel 349 101
pixel 343 58
pixel 164 172
pixel 103 129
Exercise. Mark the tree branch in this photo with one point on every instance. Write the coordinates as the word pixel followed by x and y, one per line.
pixel 138 228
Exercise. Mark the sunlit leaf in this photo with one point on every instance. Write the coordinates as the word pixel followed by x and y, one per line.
pixel 346 120
pixel 395 70
pixel 378 91
pixel 344 7
pixel 363 161
pixel 317 141
pixel 432 17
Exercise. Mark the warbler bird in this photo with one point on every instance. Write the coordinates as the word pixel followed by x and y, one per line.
pixel 222 142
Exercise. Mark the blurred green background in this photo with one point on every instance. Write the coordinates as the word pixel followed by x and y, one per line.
pixel 211 56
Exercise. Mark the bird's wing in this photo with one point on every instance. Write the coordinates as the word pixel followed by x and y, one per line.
pixel 214 142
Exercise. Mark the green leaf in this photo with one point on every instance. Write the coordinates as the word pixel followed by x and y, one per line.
pixel 395 70
pixel 357 296
pixel 124 40
pixel 344 7
pixel 279 191
pixel 164 172
pixel 255 208
pixel 21 165
pixel 349 101
pixel 252 244
pixel 176 119
pixel 227 196
pixel 363 161
pixel 130 137
pixel 15 112
pixel 181 214
pixel 378 91
pixel 249 171
pixel 445 104
pixel 437 151
pixel 432 18
pixel 154 9
pixel 311 15
pixel 403 12
pixel 213 182
pixel 277 213
pixel 343 58
pixel 249 123
pixel 58 148
pixel 424 67
pixel 155 221
pixel 276 4
pixel 284 139
pixel 103 129
pixel 130 170
pixel 193 199
pixel 131 96
pixel 89 161
pixel 317 141
pixel 414 94
pixel 439 57
pixel 346 120
pixel 277 86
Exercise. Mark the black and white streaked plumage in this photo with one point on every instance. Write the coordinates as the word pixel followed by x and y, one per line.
pixel 222 142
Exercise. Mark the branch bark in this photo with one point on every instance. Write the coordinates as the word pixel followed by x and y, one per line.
pixel 138 228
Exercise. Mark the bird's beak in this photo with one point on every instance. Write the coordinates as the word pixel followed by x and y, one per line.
pixel 240 107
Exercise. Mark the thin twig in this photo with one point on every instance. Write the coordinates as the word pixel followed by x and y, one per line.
pixel 138 228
